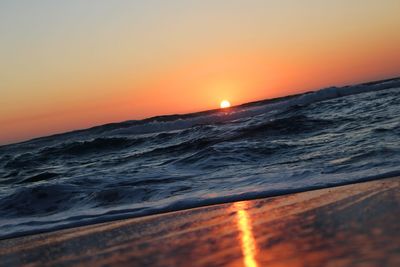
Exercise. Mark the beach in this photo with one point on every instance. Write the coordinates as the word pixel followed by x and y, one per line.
pixel 350 225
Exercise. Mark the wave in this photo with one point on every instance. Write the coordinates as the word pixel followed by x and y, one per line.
pixel 178 122
pixel 39 200
pixel 62 197
pixel 44 176
pixel 290 125
pixel 77 148
pixel 93 146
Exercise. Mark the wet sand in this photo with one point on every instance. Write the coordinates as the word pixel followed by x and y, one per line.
pixel 352 225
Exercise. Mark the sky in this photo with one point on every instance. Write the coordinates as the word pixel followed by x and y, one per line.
pixel 67 65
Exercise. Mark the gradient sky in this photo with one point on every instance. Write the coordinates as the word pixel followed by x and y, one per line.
pixel 74 64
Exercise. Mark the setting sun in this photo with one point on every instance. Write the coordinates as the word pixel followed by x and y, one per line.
pixel 225 104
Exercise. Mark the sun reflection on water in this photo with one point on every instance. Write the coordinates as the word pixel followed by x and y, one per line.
pixel 246 234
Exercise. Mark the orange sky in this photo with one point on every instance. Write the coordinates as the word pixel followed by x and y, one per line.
pixel 78 64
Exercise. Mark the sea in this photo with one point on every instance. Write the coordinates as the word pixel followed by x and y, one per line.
pixel 324 138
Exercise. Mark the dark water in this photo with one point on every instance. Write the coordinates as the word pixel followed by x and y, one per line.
pixel 330 137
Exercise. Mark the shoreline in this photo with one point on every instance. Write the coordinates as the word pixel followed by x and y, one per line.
pixel 310 228
pixel 180 206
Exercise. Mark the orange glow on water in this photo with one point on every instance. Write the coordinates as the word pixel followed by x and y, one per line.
pixel 246 235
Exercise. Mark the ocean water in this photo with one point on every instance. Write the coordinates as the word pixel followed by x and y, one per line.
pixel 324 138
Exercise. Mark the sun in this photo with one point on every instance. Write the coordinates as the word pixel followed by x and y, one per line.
pixel 225 104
